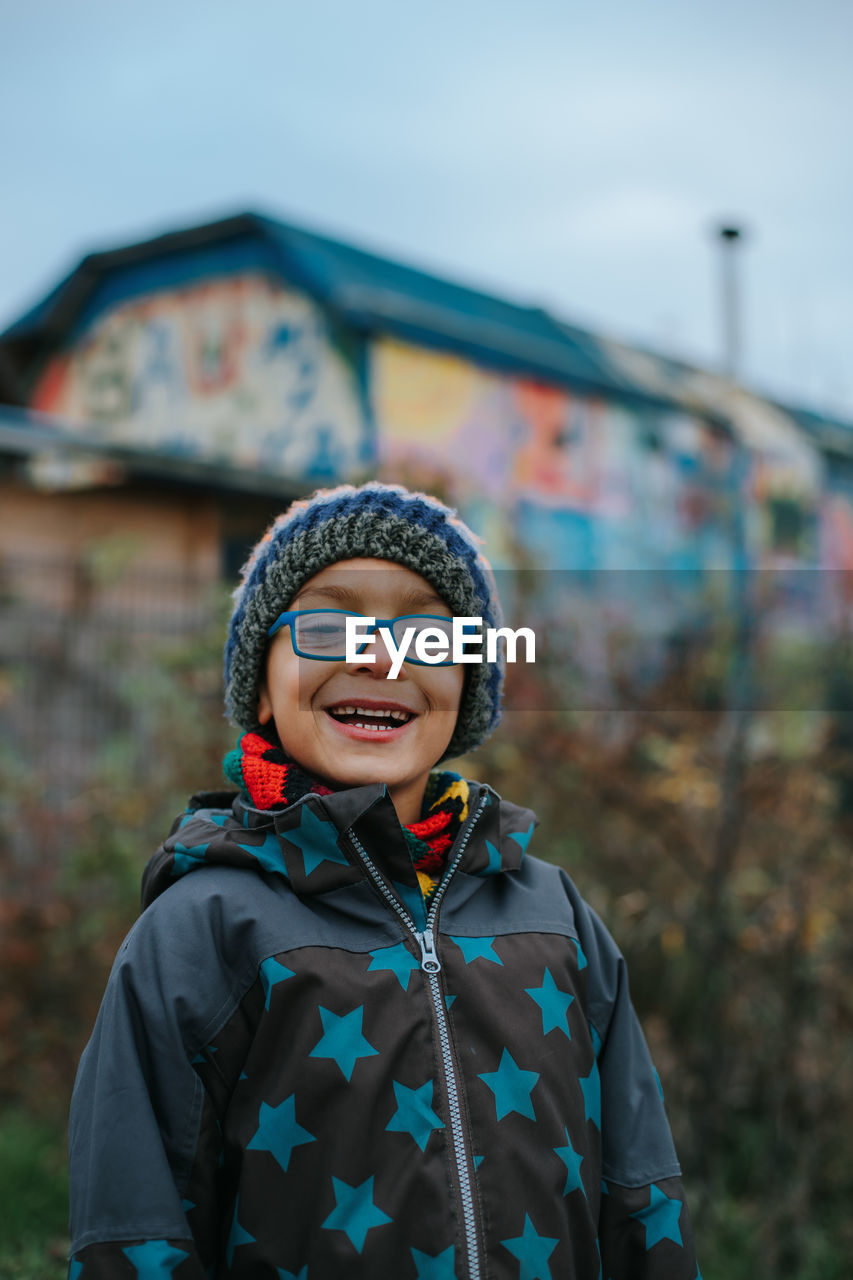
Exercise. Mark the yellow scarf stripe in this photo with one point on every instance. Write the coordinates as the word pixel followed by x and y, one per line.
pixel 458 788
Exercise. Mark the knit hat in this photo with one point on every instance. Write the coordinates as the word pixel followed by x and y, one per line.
pixel 387 522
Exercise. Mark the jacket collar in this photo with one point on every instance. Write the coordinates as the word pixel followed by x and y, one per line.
pixel 324 839
pixel 323 843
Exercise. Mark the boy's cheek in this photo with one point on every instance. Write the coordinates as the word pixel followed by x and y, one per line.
pixel 453 687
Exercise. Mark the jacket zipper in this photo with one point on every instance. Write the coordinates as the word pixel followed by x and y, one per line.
pixel 431 966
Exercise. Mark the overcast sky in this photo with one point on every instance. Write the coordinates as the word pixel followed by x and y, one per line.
pixel 572 155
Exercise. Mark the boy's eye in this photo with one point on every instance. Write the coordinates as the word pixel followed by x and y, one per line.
pixel 320 633
pixel 429 625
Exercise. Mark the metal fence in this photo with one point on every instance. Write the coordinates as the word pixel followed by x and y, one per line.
pixel 93 661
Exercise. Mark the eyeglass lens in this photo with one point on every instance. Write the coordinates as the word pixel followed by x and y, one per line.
pixel 324 634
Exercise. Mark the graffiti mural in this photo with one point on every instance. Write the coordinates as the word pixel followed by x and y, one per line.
pixel 627 506
pixel 240 371
pixel 576 482
pixel 446 425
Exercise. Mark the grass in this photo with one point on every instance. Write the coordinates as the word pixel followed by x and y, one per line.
pixel 34 1197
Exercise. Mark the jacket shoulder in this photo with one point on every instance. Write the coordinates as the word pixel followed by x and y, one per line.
pixel 198 944
pixel 598 950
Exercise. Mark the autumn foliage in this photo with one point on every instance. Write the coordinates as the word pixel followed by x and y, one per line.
pixel 714 842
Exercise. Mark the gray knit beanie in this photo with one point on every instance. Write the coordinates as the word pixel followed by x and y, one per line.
pixel 386 522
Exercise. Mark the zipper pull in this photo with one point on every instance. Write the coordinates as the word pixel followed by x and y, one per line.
pixel 430 962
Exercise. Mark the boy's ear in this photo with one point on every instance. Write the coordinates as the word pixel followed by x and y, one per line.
pixel 264 704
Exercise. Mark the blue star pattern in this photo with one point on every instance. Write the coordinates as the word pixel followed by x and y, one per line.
pixel 512 1087
pixel 494 864
pixel 154 1258
pixel 660 1218
pixel 237 1236
pixel 477 949
pixel 488 1018
pixel 413 900
pixel 268 854
pixel 74 1269
pixel 272 972
pixel 573 1161
pixel 582 960
pixel 342 1039
pixel 278 1132
pixel 354 1212
pixel 414 1114
pixel 523 837
pixel 315 840
pixel 439 1266
pixel 204 816
pixel 591 1090
pixel 187 858
pixel 553 1003
pixel 397 960
pixel 532 1252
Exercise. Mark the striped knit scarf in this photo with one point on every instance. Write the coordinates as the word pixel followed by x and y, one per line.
pixel 271 780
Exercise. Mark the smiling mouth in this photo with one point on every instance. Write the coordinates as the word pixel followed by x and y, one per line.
pixel 375 720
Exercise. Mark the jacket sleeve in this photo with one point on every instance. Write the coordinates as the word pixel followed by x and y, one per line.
pixel 644 1224
pixel 144 1144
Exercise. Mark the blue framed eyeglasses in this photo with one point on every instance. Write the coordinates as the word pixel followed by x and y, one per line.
pixel 321 633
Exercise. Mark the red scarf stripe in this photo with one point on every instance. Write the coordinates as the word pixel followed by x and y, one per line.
pixel 273 781
pixel 435 857
pixel 432 826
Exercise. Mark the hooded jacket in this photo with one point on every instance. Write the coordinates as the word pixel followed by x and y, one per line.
pixel 300 1072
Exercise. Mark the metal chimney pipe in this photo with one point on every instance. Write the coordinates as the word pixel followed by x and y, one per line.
pixel 730 236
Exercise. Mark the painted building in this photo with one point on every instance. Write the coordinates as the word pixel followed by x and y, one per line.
pixel 173 395
pixel 257 350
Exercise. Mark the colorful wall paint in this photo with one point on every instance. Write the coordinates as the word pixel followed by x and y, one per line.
pixel 633 505
pixel 244 371
pixel 586 484
pixel 238 370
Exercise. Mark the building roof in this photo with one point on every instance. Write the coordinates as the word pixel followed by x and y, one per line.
pixel 366 291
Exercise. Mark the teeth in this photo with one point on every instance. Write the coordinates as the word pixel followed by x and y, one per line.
pixel 367 711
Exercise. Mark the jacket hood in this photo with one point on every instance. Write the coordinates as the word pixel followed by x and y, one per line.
pixel 310 843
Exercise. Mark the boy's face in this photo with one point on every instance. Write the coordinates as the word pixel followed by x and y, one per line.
pixel 305 697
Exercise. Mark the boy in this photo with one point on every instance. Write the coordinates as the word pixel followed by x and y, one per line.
pixel 358 1030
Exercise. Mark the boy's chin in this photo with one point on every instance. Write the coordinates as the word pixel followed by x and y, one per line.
pixel 376 766
pixel 363 773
